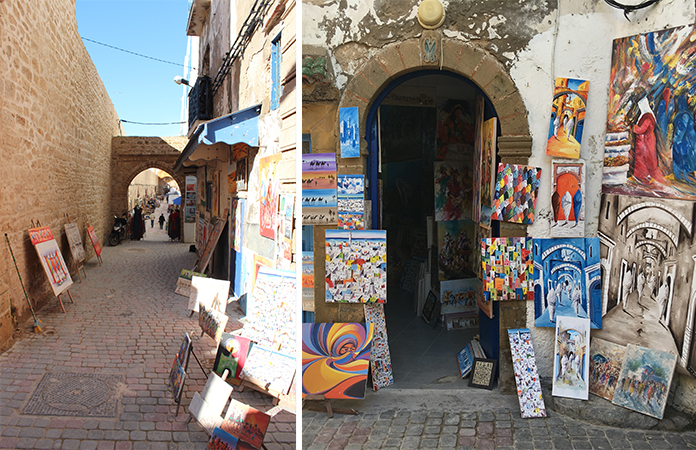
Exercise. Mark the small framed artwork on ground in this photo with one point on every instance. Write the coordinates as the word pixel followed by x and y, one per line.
pixel 483 373
pixel 431 309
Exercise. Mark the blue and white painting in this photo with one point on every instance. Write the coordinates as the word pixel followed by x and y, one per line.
pixel 350 132
pixel 567 280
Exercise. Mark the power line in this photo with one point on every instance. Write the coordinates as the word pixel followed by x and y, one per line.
pixel 134 53
pixel 150 123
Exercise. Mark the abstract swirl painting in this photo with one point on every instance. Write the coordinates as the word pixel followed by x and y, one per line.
pixel 335 359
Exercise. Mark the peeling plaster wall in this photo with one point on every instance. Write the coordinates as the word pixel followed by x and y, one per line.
pixel 536 41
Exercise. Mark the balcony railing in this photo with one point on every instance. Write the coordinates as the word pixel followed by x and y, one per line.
pixel 200 101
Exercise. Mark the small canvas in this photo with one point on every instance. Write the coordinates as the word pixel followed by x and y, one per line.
pixel 356 266
pixel 380 358
pixel 508 269
pixel 451 201
pixel 350 132
pixel 456 247
pixel 457 296
pixel 209 292
pixel 351 202
pixel 567 117
pixel 246 423
pixel 606 359
pixel 335 359
pixel 319 194
pixel 568 198
pixel 515 197
pixel 51 259
pixel 214 397
pixel 268 369
pixel 644 381
pixel 483 373
pixel 212 322
pixel 221 440
pixel 94 239
pixel 72 232
pixel 183 283
pixel 571 360
pixel 231 354
pixel 526 374
pixel 465 359
pixel 200 410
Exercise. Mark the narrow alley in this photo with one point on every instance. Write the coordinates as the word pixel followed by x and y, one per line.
pixel 119 338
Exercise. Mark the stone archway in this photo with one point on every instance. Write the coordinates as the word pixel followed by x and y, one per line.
pixel 463 58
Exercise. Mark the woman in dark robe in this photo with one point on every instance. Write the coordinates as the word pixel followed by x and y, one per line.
pixel 137 223
pixel 174 226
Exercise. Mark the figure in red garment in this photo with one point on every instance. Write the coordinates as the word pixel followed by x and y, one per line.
pixel 645 168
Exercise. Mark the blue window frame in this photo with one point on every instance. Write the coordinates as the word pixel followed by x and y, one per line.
pixel 275 73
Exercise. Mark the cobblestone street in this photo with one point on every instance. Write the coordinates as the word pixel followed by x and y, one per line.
pixel 467 420
pixel 126 324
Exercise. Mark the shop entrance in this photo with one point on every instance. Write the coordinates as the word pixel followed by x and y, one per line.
pixel 421 134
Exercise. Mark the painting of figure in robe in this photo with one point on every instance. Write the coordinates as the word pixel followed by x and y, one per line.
pixel 567 118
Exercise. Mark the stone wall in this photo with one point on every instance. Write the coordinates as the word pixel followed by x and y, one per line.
pixel 56 124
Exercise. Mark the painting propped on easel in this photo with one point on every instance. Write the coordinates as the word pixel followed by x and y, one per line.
pixel 52 261
pixel 72 232
pixel 95 240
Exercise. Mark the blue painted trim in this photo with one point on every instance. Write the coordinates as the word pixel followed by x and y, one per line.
pixel 241 126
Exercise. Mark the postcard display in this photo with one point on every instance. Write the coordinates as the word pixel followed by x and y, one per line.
pixel 52 262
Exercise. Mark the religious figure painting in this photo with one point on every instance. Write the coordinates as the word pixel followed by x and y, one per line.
pixel 568 198
pixel 570 363
pixel 515 194
pixel 567 117
pixel 606 359
pixel 450 198
pixel 650 144
pixel 648 288
pixel 567 280
pixel 643 385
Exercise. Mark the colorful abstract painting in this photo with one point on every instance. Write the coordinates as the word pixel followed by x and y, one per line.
pixel 221 440
pixel 308 275
pixel 568 198
pixel 508 269
pixel 319 194
pixel 51 259
pixel 268 369
pixel 644 381
pixel 72 232
pixel 451 201
pixel 212 322
pixel 567 118
pixel 380 358
pixel 351 202
pixel 567 280
pixel 356 266
pixel 456 249
pixel 606 359
pixel 269 188
pixel 176 373
pixel 515 195
pixel 210 292
pixel 458 296
pixel 571 358
pixel 231 354
pixel 489 132
pixel 349 132
pixel 526 374
pixel 650 137
pixel 335 358
pixel 246 423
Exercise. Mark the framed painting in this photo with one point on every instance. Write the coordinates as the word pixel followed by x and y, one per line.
pixel 430 308
pixel 72 232
pixel 356 266
pixel 335 359
pixel 465 359
pixel 571 360
pixel 567 117
pixel 231 355
pixel 483 373
pixel 489 131
pixel 515 196
pixel 212 322
pixel 568 199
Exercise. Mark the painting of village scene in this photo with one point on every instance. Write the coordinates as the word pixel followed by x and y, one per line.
pixel 508 269
pixel 648 291
pixel 567 118
pixel 606 359
pixel 351 203
pixel 568 198
pixel 570 363
pixel 650 136
pixel 567 280
pixel 643 385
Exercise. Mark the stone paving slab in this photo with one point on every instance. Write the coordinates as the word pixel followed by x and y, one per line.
pixel 126 321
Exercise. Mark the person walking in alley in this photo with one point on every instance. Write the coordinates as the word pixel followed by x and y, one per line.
pixel 161 221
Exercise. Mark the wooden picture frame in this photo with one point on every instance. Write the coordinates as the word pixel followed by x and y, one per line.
pixel 483 373
pixel 431 309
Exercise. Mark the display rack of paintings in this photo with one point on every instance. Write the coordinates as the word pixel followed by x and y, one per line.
pixel 183 284
pixel 568 198
pixel 515 196
pixel 567 280
pixel 269 371
pixel 335 359
pixel 210 292
pixel 571 361
pixel 231 355
pixel 451 203
pixel 567 117
pixel 270 318
pixel 212 322
pixel 349 132
pixel 356 266
pixel 190 198
pixel 245 423
pixel 606 359
pixel 644 381
pixel 351 202
pixel 77 250
pixel 508 268
pixel 207 406
pixel 649 144
pixel 526 374
pixel 52 262
pixel 269 189
pixel 380 358
pixel 456 248
pixel 319 189
pixel 94 240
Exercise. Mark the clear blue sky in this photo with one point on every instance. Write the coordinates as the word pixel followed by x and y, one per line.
pixel 142 90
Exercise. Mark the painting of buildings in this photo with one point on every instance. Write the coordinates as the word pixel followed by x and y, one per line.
pixel 606 359
pixel 351 202
pixel 650 137
pixel 350 132
pixel 567 280
pixel 568 198
pixel 570 363
pixel 567 117
pixel 647 254
pixel 508 269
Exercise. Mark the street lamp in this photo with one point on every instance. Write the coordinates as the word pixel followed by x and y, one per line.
pixel 181 80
